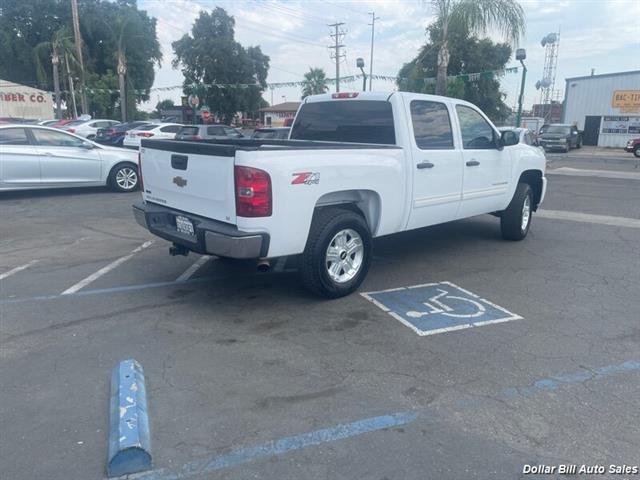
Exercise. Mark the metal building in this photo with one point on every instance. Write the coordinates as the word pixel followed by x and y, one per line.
pixel 606 107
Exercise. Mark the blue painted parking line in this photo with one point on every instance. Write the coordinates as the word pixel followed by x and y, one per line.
pixel 438 307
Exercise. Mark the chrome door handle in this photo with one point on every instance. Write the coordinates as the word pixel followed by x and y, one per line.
pixel 473 163
pixel 425 165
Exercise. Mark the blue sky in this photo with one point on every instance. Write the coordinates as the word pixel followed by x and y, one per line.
pixel 599 34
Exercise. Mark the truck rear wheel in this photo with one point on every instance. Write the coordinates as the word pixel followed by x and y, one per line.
pixel 338 253
pixel 516 219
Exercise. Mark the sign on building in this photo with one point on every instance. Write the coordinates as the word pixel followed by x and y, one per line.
pixel 628 101
pixel 621 124
pixel 21 101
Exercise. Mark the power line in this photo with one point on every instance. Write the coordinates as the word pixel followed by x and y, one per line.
pixel 336 55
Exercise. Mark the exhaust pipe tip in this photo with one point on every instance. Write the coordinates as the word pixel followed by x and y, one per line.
pixel 263 266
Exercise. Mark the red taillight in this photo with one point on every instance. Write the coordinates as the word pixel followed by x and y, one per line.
pixel 344 95
pixel 140 172
pixel 195 137
pixel 253 192
pixel 145 134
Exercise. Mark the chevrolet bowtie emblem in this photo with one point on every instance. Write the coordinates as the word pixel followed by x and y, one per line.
pixel 179 181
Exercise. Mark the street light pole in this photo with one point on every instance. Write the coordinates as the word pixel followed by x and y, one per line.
pixel 521 54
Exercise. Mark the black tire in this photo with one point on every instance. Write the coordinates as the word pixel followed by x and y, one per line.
pixel 579 144
pixel 114 180
pixel 326 224
pixel 512 218
pixel 636 151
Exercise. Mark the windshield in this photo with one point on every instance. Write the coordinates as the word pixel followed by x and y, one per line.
pixel 146 127
pixel 356 121
pixel 557 129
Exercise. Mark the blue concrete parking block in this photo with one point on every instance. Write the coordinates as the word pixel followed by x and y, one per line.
pixel 438 307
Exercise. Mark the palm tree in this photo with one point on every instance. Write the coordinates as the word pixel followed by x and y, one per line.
pixel 315 82
pixel 476 16
pixel 61 45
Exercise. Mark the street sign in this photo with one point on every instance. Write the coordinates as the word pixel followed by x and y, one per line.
pixel 193 101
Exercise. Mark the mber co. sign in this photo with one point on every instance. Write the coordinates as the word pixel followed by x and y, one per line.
pixel 626 100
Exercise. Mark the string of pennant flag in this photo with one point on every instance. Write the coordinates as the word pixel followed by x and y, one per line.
pixel 199 87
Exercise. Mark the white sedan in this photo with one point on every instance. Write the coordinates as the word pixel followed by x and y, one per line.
pixel 33 157
pixel 88 128
pixel 156 130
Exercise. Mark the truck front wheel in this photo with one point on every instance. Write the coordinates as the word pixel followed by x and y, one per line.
pixel 338 253
pixel 516 219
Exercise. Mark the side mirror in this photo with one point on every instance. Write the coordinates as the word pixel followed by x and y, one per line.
pixel 509 138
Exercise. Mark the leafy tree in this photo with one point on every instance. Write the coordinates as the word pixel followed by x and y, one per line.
pixel 475 16
pixel 315 82
pixel 210 55
pixel 162 105
pixel 27 26
pixel 468 55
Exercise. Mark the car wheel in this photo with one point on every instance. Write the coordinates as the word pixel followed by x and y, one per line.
pixel 636 151
pixel 338 253
pixel 516 219
pixel 124 177
pixel 579 144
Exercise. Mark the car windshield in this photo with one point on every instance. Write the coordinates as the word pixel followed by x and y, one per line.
pixel 557 129
pixel 357 121
pixel 146 127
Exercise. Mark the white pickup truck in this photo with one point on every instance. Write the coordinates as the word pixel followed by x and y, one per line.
pixel 356 166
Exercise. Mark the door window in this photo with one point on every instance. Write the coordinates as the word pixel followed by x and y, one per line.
pixel 476 132
pixel 215 131
pixel 51 138
pixel 431 125
pixel 170 129
pixel 13 136
pixel 231 132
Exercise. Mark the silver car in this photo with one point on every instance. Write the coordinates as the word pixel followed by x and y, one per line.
pixel 33 157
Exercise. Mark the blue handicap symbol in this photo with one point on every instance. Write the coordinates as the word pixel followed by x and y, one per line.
pixel 439 307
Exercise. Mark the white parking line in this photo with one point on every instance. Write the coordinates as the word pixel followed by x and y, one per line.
pixel 589 218
pixel 186 275
pixel 16 270
pixel 94 276
pixel 580 172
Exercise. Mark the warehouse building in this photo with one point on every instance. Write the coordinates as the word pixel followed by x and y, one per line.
pixel 20 101
pixel 606 107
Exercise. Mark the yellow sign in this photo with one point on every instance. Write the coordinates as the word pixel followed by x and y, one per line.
pixel 626 100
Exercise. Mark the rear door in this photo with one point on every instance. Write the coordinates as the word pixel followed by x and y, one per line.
pixel 487 170
pixel 437 164
pixel 64 160
pixel 19 160
pixel 200 183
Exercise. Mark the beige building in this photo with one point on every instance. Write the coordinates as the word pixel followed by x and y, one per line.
pixel 276 115
pixel 20 101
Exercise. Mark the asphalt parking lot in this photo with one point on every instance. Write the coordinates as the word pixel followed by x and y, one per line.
pixel 248 376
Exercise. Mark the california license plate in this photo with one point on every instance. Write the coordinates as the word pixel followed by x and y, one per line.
pixel 184 225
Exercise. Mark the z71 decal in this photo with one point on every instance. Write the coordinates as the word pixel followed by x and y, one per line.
pixel 306 178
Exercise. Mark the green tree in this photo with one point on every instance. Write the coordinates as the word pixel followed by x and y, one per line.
pixel 210 55
pixel 468 55
pixel 475 16
pixel 315 82
pixel 162 105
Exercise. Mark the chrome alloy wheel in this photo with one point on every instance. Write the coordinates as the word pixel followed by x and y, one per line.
pixel 526 213
pixel 344 256
pixel 127 178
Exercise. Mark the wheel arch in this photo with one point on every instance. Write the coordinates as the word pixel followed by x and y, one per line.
pixel 115 166
pixel 364 202
pixel 534 179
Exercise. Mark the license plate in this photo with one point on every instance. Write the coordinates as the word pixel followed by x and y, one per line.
pixel 184 225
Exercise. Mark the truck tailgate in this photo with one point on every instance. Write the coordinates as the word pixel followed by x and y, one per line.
pixel 198 183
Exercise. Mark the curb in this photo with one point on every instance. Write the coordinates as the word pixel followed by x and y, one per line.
pixel 129 436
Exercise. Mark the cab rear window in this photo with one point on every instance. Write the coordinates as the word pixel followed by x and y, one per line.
pixel 356 121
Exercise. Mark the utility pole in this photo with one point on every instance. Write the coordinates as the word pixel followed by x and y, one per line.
pixel 73 93
pixel 373 25
pixel 336 54
pixel 78 41
pixel 55 61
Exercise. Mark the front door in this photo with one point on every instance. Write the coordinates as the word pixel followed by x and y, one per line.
pixel 591 130
pixel 19 161
pixel 487 170
pixel 436 164
pixel 65 160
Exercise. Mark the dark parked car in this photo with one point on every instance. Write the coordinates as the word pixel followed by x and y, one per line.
pixel 114 136
pixel 207 132
pixel 560 136
pixel 281 133
pixel 633 146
